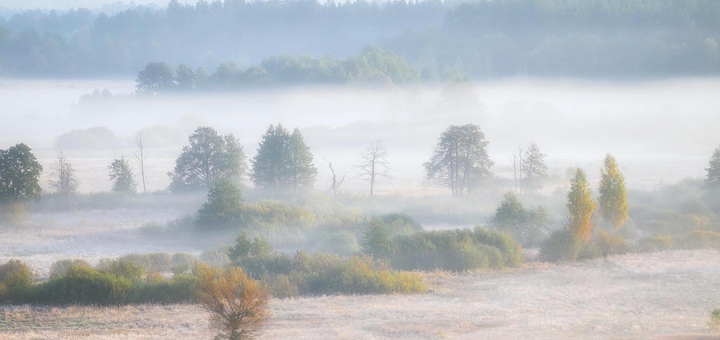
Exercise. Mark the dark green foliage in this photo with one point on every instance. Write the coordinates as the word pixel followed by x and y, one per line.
pixel 223 207
pixel 83 286
pixel 283 161
pixel 376 241
pixel 19 174
pixel 208 158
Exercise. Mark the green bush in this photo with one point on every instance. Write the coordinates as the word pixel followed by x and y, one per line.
pixel 337 242
pixel 60 268
pixel 604 244
pixel 455 250
pixel 83 286
pixel 561 245
pixel 715 318
pixel 400 224
pixel 223 207
pixel 125 269
pixel 376 241
pixel 16 276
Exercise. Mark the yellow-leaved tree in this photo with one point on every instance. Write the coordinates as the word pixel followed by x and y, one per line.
pixel 237 303
pixel 613 195
pixel 581 206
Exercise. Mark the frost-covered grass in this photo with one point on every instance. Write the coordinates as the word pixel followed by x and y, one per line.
pixel 637 296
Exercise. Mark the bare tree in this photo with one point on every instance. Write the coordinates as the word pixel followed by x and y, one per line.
pixel 335 184
pixel 140 158
pixel 64 180
pixel 517 161
pixel 374 164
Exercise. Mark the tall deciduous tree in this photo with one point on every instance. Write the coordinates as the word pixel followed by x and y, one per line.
pixel 613 195
pixel 534 169
pixel 155 78
pixel 374 164
pixel 283 161
pixel 122 176
pixel 460 159
pixel 712 180
pixel 209 157
pixel 580 206
pixel 19 174
pixel 64 180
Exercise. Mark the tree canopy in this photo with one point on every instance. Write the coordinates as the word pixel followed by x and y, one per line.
pixel 19 174
pixel 460 160
pixel 207 158
pixel 283 161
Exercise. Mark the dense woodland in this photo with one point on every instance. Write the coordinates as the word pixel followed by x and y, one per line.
pixel 481 39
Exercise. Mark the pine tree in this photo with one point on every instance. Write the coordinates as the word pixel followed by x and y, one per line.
pixel 613 195
pixel 302 171
pixel 283 161
pixel 580 206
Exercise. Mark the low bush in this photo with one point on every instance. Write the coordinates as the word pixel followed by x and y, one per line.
pixel 698 239
pixel 715 318
pixel 15 279
pixel 560 246
pixel 83 286
pixel 61 267
pixel 455 250
pixel 656 243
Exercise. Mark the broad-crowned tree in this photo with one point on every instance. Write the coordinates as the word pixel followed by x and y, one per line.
pixel 460 160
pixel 207 158
pixel 19 174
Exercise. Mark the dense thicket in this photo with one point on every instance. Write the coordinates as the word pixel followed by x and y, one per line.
pixel 483 39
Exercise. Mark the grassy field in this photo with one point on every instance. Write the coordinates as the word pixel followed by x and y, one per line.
pixel 665 295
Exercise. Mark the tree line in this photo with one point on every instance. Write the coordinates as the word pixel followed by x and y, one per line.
pixel 374 65
pixel 459 162
pixel 483 39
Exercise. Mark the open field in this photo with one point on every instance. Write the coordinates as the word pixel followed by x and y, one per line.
pixel 665 295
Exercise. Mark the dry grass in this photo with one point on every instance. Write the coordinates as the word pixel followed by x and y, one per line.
pixel 640 296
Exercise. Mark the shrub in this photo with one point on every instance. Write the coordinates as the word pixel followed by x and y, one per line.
pixel 376 241
pixel 715 318
pixel 60 268
pixel 16 275
pixel 223 207
pixel 400 224
pixel 182 262
pixel 455 250
pixel 561 246
pixel 655 243
pixel 338 242
pixel 217 257
pixel 697 239
pixel 604 244
pixel 125 269
pixel 84 286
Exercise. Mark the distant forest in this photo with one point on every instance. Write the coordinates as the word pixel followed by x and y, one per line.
pixel 480 39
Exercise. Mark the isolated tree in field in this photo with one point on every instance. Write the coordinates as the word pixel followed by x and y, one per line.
pixel 64 180
pixel 510 216
pixel 209 157
pixel 533 168
pixel 283 161
pixel 237 303
pixel 580 206
pixel 460 159
pixel 223 206
pixel 19 174
pixel 140 158
pixel 122 176
pixel 613 195
pixel 155 78
pixel 374 164
pixel 712 180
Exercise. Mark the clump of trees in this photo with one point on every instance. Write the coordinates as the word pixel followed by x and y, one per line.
pixel 460 160
pixel 223 207
pixel 283 161
pixel 374 65
pixel 528 226
pixel 207 158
